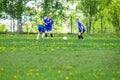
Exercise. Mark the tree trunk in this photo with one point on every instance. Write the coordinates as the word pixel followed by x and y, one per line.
pixel 90 22
pixel 19 26
pixel 71 23
pixel 87 27
pixel 13 25
pixel 11 30
pixel 101 25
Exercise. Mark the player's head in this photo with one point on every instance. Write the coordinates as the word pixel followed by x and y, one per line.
pixel 48 17
pixel 77 19
pixel 45 17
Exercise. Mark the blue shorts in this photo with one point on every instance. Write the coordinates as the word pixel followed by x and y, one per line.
pixel 41 28
pixel 49 28
pixel 81 30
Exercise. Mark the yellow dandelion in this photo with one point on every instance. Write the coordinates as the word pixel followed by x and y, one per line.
pixel 70 73
pixel 96 76
pixel 29 74
pixel 2 69
pixel 50 68
pixel 37 70
pixel 31 70
pixel 15 77
pixel 59 71
pixel 67 77
pixel 76 72
pixel 86 78
pixel 37 74
pixel 113 78
pixel 2 48
pixel 69 67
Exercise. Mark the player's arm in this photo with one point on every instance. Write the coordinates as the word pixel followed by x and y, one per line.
pixel 52 22
pixel 81 29
pixel 45 23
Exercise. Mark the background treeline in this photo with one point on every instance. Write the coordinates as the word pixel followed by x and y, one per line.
pixel 98 16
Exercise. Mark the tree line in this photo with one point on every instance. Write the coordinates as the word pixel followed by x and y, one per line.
pixel 98 14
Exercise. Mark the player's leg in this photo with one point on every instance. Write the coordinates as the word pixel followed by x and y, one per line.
pixel 43 33
pixel 46 34
pixel 79 35
pixel 82 35
pixel 38 32
pixel 51 34
pixel 38 35
pixel 46 31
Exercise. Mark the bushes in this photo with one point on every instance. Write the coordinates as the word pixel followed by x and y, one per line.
pixel 2 28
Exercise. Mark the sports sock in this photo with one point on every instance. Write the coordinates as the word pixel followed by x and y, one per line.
pixel 38 36
pixel 45 34
pixel 81 36
pixel 78 36
pixel 51 34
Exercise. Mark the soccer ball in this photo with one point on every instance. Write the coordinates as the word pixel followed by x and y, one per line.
pixel 64 38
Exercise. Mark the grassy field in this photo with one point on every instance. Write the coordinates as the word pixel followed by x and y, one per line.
pixel 22 57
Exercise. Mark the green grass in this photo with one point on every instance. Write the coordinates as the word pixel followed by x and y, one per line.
pixel 22 57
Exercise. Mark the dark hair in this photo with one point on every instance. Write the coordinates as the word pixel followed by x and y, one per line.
pixel 77 18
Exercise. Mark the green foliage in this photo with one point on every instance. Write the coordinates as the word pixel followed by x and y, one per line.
pixel 30 28
pixel 103 4
pixel 114 11
pixel 1 8
pixel 89 7
pixel 52 7
pixel 98 14
pixel 2 28
pixel 13 7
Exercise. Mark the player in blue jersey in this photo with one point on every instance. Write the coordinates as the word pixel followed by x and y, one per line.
pixel 45 18
pixel 48 26
pixel 81 29
pixel 41 29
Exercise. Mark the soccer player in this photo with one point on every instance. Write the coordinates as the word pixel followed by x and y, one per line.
pixel 41 29
pixel 81 29
pixel 48 26
pixel 45 18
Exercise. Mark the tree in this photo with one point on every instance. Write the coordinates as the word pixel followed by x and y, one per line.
pixel 93 8
pixel 1 8
pixel 114 10
pixel 89 8
pixel 103 5
pixel 15 9
pixel 53 7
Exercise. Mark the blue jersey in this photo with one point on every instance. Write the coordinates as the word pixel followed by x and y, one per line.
pixel 44 20
pixel 49 22
pixel 81 27
pixel 41 28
